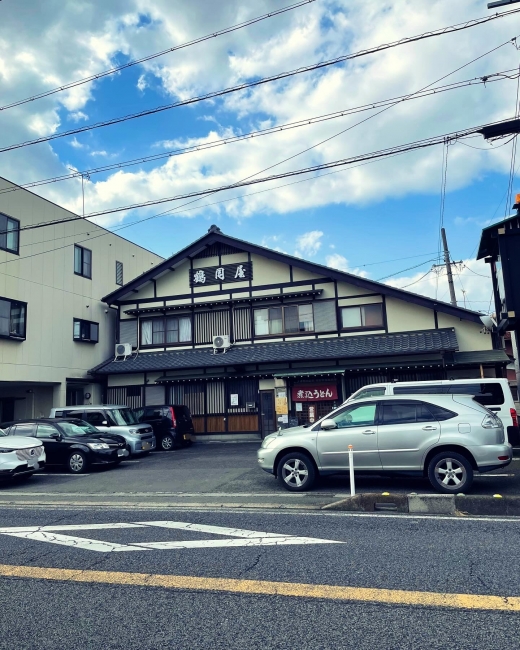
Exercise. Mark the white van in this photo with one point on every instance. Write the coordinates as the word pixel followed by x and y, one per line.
pixel 494 394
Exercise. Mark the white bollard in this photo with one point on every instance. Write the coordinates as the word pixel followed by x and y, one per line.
pixel 351 468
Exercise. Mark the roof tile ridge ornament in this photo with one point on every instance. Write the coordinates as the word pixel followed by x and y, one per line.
pixel 214 228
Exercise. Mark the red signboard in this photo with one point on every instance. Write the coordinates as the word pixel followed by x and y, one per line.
pixel 314 392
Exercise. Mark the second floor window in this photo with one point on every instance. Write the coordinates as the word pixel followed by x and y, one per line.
pixel 166 331
pixel 287 319
pixel 13 316
pixel 9 234
pixel 85 330
pixel 82 261
pixel 362 317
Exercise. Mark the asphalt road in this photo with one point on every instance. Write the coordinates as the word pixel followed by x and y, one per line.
pixel 52 608
pixel 216 473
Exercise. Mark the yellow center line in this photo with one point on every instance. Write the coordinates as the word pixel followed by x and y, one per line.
pixel 330 592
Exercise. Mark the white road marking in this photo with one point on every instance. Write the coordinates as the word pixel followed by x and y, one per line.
pixel 491 475
pixel 76 542
pixel 41 475
pixel 245 537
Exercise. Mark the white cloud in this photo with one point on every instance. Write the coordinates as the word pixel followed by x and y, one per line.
pixel 76 144
pixel 472 284
pixel 309 243
pixel 337 261
pixel 71 40
pixel 141 83
pixel 77 116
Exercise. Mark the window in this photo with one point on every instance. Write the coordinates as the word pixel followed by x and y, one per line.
pixel 166 331
pixel 362 415
pixel 287 319
pixel 95 418
pixel 405 413
pixel 86 331
pixel 362 316
pixel 46 431
pixel 490 394
pixel 82 261
pixel 9 234
pixel 119 273
pixel 12 319
pixel 371 392
pixel 24 430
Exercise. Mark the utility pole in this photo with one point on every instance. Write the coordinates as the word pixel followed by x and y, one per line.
pixel 447 262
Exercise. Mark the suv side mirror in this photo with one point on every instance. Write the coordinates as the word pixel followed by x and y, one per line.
pixel 56 436
pixel 328 424
pixel 105 423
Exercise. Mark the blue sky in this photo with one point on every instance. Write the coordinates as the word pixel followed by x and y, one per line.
pixel 380 219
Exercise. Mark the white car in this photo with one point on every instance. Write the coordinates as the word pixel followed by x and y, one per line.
pixel 20 456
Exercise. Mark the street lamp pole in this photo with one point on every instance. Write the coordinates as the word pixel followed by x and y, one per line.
pixel 501 3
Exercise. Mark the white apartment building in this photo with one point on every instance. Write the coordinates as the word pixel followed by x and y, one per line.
pixel 54 327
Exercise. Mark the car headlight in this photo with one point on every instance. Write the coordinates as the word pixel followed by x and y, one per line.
pixel 134 431
pixel 7 451
pixel 268 441
pixel 98 445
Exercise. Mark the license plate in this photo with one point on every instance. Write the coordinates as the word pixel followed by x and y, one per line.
pixel 187 436
pixel 34 464
pixel 146 446
pixel 121 452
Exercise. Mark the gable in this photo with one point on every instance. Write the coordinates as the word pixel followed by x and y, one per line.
pixel 277 267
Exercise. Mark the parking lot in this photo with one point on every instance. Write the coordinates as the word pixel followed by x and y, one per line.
pixel 216 473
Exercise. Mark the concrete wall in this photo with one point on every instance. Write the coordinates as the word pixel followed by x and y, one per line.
pixel 42 275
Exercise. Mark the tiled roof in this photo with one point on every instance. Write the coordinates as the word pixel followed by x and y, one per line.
pixel 482 356
pixel 314 349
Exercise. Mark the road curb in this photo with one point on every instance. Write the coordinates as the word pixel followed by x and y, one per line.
pixel 433 504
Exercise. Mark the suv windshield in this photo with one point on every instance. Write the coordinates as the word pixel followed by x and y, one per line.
pixel 77 428
pixel 122 417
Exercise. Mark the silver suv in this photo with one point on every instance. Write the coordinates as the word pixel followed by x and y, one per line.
pixel 442 437
pixel 113 419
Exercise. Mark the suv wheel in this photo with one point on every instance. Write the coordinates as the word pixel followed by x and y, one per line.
pixel 77 462
pixel 450 472
pixel 167 442
pixel 296 472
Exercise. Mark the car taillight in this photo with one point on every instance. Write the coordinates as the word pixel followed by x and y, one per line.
pixel 174 421
pixel 514 417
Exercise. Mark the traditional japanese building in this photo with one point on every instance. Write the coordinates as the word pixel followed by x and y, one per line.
pixel 250 338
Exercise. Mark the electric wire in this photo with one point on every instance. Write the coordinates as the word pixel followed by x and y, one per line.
pixel 497 76
pixel 416 281
pixel 252 84
pixel 149 57
pixel 410 268
pixel 383 153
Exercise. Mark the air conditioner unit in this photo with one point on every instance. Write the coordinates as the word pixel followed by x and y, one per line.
pixel 221 342
pixel 123 349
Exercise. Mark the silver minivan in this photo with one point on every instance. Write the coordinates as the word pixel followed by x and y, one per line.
pixel 445 438
pixel 493 393
pixel 114 418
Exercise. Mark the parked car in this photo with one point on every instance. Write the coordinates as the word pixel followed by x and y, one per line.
pixel 71 442
pixel 444 438
pixel 495 394
pixel 172 424
pixel 113 419
pixel 20 456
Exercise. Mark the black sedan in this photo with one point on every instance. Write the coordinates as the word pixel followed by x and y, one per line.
pixel 71 442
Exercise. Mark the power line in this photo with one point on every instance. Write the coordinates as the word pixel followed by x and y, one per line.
pixel 496 76
pixel 264 80
pixel 416 281
pixel 149 57
pixel 410 268
pixel 413 146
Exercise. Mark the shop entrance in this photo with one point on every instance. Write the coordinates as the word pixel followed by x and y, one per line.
pixel 267 414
